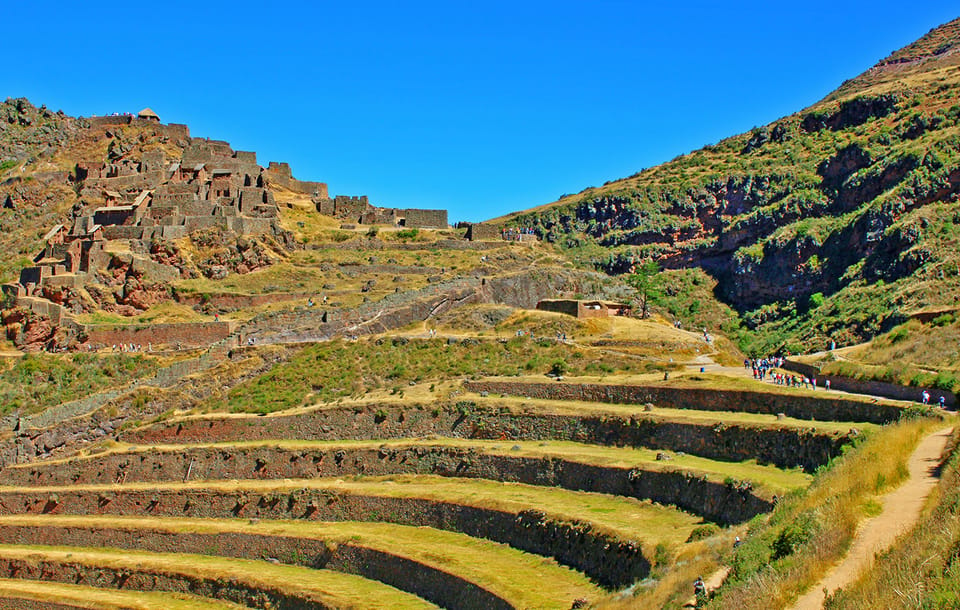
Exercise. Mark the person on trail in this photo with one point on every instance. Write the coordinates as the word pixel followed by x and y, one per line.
pixel 943 402
pixel 925 397
pixel 700 591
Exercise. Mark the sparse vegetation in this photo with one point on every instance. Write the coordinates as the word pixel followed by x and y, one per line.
pixel 34 382
pixel 327 371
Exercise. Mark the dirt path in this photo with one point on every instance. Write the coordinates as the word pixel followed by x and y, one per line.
pixel 901 509
pixel 712 582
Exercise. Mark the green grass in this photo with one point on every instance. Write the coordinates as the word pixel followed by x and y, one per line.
pixel 911 354
pixel 34 382
pixel 334 588
pixel 498 568
pixel 324 372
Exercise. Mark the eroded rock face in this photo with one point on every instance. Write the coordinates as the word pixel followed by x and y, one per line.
pixel 123 288
pixel 226 253
pixel 29 331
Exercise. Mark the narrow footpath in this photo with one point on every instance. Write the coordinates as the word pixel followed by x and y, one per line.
pixel 901 510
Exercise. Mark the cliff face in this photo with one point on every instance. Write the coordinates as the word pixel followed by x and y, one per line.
pixel 858 192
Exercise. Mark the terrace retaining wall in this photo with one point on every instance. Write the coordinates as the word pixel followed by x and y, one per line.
pixel 608 560
pixel 833 408
pixel 138 579
pixel 870 387
pixel 445 589
pixel 786 447
pixel 188 334
pixel 687 490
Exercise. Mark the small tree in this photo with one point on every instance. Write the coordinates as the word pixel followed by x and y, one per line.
pixel 645 280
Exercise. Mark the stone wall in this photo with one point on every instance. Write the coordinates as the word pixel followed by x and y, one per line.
pixel 430 583
pixel 827 408
pixel 124 232
pixel 229 301
pixel 253 226
pixel 427 219
pixel 609 560
pixel 279 174
pixel 713 500
pixel 484 231
pixel 565 306
pixel 783 446
pixel 198 334
pixel 870 387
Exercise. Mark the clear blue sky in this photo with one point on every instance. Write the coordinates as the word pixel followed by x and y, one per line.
pixel 482 108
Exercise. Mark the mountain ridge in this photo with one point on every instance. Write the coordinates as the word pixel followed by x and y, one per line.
pixel 852 199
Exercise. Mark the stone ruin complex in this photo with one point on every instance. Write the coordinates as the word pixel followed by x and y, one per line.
pixel 156 196
pixel 358 210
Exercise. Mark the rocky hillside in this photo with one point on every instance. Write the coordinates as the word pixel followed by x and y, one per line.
pixel 836 222
pixel 33 192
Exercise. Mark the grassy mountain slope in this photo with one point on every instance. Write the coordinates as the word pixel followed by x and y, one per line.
pixel 836 222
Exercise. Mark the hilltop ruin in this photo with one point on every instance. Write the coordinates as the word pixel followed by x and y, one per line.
pixel 156 183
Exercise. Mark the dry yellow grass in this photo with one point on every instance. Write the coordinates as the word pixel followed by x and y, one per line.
pixel 333 589
pixel 839 499
pixel 498 568
pixel 642 521
pixel 166 312
pixel 769 480
pixel 106 599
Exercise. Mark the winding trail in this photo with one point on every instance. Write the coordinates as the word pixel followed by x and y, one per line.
pixel 901 510
pixel 712 582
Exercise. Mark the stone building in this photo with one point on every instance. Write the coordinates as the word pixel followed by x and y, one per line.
pixel 484 231
pixel 358 210
pixel 585 309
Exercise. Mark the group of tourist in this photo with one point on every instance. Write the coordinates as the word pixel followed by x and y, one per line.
pixel 131 348
pixel 515 234
pixel 795 381
pixel 767 368
pixel 925 399
pixel 762 366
